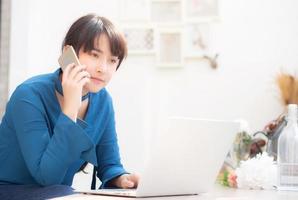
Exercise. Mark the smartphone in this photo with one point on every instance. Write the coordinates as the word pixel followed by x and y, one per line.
pixel 68 56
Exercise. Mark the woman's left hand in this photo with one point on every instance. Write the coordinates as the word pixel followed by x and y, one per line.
pixel 127 181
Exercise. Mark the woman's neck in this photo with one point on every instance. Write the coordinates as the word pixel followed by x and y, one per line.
pixel 84 92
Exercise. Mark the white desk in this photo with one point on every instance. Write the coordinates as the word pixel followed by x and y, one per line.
pixel 217 193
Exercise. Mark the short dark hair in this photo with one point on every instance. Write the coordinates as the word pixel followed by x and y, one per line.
pixel 85 30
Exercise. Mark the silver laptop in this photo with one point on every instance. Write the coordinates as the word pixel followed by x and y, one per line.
pixel 185 159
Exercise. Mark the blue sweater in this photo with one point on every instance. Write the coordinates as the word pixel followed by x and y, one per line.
pixel 40 145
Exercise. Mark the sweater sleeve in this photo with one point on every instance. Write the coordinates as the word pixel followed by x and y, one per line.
pixel 47 157
pixel 109 162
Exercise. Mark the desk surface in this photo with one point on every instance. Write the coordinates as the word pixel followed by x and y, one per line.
pixel 217 193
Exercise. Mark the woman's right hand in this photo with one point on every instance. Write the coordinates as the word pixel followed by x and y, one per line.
pixel 74 77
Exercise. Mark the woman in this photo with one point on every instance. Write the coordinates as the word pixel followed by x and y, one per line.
pixel 54 123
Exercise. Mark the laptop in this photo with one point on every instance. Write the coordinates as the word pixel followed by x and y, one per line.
pixel 185 160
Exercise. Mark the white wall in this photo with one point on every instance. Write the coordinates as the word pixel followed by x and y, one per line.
pixel 255 39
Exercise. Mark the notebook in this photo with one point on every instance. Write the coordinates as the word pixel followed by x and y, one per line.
pixel 185 160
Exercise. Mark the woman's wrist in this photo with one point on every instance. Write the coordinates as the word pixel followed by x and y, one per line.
pixel 72 115
pixel 115 182
pixel 125 181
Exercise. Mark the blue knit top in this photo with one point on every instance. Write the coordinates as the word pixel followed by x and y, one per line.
pixel 41 145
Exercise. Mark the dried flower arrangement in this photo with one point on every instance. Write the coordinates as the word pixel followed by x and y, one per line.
pixel 288 87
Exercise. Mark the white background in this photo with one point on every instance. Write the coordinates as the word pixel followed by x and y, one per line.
pixel 255 40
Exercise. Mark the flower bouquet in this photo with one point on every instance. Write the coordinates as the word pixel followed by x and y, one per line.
pixel 248 164
pixel 239 151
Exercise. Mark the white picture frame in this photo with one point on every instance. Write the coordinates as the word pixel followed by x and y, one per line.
pixel 196 39
pixel 140 39
pixel 166 11
pixel 169 48
pixel 200 10
pixel 134 10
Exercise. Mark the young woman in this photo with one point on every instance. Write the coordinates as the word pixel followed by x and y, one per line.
pixel 54 123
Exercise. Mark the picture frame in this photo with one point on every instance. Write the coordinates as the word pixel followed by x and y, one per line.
pixel 169 48
pixel 134 10
pixel 166 11
pixel 196 39
pixel 140 39
pixel 200 10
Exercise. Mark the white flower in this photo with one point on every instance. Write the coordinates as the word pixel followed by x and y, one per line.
pixel 259 172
